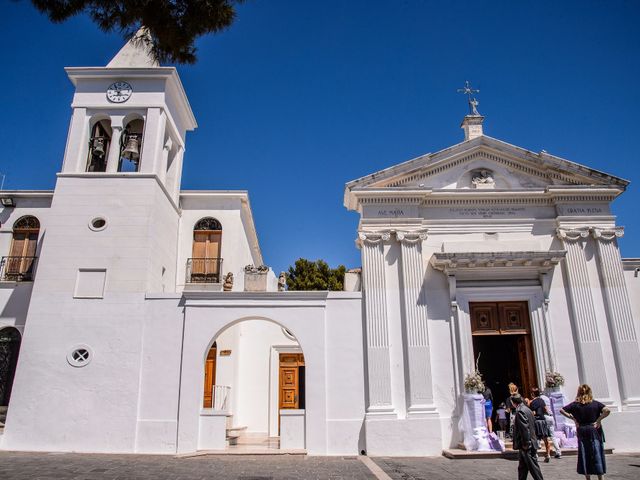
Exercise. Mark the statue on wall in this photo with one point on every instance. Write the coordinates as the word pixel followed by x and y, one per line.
pixel 482 177
pixel 282 282
pixel 228 282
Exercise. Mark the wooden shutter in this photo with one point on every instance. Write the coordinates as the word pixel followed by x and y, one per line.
pixel 199 252
pixel 17 252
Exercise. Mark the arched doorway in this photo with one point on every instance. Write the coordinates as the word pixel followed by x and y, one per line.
pixel 254 376
pixel 9 348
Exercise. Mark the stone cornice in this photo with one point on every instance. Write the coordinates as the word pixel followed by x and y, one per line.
pixel 550 195
pixel 255 299
pixel 452 262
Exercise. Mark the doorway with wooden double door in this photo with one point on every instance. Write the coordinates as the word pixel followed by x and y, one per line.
pixel 206 260
pixel 503 346
pixel 291 385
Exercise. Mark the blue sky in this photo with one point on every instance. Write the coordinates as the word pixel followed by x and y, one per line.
pixel 298 98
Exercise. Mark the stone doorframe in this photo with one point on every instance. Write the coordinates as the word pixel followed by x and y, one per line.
pixel 497 277
pixel 544 353
pixel 274 383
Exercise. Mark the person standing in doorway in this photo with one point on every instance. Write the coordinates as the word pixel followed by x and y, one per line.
pixel 588 415
pixel 488 407
pixel 525 440
pixel 502 417
pixel 513 390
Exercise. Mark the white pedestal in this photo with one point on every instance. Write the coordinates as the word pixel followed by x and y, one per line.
pixel 472 419
pixel 292 429
pixel 212 434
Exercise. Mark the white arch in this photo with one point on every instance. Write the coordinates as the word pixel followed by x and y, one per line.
pixel 245 319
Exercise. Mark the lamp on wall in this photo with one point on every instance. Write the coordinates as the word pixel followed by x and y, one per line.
pixel 7 202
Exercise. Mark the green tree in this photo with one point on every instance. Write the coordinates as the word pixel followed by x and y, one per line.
pixel 308 275
pixel 173 25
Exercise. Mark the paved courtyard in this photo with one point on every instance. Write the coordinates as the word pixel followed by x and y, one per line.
pixel 52 466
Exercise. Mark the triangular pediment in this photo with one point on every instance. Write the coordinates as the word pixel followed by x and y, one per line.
pixel 485 163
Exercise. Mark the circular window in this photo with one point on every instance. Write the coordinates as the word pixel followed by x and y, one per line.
pixel 79 356
pixel 97 224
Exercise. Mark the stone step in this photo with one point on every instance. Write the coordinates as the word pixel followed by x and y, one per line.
pixel 461 453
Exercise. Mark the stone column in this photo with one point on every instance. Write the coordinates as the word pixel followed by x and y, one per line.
pixel 623 331
pixel 590 360
pixel 416 325
pixel 113 159
pixel 377 330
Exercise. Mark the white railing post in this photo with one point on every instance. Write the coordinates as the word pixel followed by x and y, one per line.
pixel 219 395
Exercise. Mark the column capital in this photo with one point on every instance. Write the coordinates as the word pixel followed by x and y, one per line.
pixel 607 234
pixel 412 236
pixel 572 234
pixel 373 236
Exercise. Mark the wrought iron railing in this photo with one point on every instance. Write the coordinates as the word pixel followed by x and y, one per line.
pixel 17 269
pixel 204 270
pixel 219 396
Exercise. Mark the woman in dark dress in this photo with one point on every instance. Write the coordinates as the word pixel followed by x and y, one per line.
pixel 543 432
pixel 488 407
pixel 588 413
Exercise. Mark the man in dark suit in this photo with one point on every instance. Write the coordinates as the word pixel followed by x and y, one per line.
pixel 525 441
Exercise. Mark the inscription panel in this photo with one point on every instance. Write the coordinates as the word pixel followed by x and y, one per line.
pixel 584 210
pixel 390 211
pixel 482 212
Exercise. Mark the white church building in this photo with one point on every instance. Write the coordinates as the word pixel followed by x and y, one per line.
pixel 121 330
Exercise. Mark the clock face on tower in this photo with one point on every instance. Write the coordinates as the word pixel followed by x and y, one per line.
pixel 119 92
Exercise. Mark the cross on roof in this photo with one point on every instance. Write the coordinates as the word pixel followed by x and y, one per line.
pixel 473 103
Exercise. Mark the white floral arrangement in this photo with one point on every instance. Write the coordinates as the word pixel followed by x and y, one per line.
pixel 473 382
pixel 553 379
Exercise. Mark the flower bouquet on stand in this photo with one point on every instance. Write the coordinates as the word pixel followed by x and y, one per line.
pixel 473 382
pixel 553 381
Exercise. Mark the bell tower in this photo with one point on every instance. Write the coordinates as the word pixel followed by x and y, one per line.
pixel 110 241
pixel 130 117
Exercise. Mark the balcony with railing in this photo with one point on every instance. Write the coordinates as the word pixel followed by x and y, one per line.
pixel 17 269
pixel 204 270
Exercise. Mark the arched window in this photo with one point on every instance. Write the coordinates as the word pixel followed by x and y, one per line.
pixel 9 348
pixel 131 146
pixel 99 146
pixel 18 266
pixel 206 264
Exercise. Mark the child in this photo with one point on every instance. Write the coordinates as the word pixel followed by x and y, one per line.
pixel 502 417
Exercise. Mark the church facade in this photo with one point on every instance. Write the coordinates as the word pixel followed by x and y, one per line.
pixel 137 317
